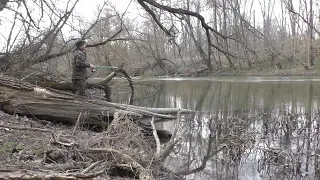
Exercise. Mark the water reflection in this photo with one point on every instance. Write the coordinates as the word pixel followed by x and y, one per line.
pixel 279 144
pixel 228 93
pixel 244 128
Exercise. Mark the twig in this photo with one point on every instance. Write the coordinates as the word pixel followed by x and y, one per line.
pixel 55 141
pixel 105 42
pixel 28 175
pixel 77 124
pixel 148 113
pixel 91 175
pixel 59 166
pixel 157 154
pixel 143 173
pixel 166 152
pixel 40 130
pixel 27 76
pixel 177 124
pixel 27 129
pixel 116 118
pixel 153 110
pixel 91 166
pixel 109 150
pixel 130 84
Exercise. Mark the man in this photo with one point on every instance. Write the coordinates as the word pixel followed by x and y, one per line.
pixel 80 65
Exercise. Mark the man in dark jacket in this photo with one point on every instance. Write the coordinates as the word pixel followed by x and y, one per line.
pixel 80 65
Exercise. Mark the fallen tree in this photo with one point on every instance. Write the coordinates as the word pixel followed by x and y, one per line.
pixel 19 97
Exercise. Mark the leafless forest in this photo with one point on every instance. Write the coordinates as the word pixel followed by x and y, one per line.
pixel 164 38
pixel 161 38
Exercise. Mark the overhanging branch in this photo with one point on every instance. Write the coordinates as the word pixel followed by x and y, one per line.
pixel 180 11
pixel 305 20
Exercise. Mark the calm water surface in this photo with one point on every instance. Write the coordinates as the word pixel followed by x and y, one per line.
pixel 244 128
pixel 229 93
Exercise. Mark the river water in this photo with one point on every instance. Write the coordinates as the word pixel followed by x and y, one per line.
pixel 244 127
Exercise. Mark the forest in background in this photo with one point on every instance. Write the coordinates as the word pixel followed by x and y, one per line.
pixel 164 37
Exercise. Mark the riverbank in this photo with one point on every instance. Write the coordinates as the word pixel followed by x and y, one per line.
pixel 297 71
pixel 38 149
pixel 201 71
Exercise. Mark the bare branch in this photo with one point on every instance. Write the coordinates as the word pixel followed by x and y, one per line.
pixel 181 11
pixel 105 42
pixel 28 14
pixel 155 135
pixel 95 22
pixel 154 16
pixel 305 20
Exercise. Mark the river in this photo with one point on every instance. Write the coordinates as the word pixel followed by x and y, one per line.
pixel 244 127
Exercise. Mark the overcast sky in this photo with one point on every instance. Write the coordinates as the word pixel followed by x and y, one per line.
pixel 88 7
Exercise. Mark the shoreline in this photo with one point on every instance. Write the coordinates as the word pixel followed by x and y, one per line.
pixel 269 72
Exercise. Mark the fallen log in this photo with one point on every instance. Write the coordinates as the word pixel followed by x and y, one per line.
pixel 19 97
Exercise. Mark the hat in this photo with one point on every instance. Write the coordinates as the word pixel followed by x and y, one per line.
pixel 80 43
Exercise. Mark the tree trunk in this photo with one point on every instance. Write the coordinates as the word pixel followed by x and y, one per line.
pixel 311 58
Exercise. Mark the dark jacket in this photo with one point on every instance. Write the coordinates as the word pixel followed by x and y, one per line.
pixel 79 64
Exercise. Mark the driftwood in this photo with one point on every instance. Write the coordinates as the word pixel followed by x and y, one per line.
pixel 18 97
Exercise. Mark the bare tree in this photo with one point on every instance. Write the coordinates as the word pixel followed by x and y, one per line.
pixel 209 31
pixel 42 39
pixel 311 58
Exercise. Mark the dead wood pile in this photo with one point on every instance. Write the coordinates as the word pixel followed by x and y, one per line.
pixel 31 149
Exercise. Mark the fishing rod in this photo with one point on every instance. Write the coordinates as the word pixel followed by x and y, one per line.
pixel 106 67
pixel 103 67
